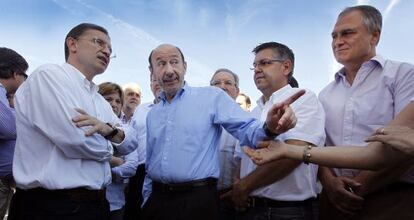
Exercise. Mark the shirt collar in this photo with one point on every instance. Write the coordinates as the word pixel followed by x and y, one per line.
pixel 3 95
pixel 2 89
pixel 376 60
pixel 260 102
pixel 89 85
pixel 179 93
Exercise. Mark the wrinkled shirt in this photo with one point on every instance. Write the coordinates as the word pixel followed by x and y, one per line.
pixel 228 160
pixel 183 136
pixel 115 192
pixel 51 151
pixel 7 134
pixel 380 90
pixel 300 184
pixel 139 123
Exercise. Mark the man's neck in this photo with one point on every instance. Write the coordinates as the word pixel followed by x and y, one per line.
pixel 128 113
pixel 5 84
pixel 82 69
pixel 351 69
pixel 269 92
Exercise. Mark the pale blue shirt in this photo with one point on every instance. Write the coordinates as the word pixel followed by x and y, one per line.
pixel 139 123
pixel 120 174
pixel 7 134
pixel 183 136
pixel 381 89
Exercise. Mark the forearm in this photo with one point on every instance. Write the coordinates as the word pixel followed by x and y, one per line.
pixel 375 180
pixel 269 173
pixel 325 174
pixel 371 157
pixel 129 167
pixel 125 141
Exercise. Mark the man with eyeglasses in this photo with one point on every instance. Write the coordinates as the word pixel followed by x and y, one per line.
pixel 183 135
pixel 228 81
pixel 13 69
pixel 284 189
pixel 66 134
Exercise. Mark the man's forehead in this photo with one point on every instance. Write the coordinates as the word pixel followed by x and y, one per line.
pixel 129 90
pixel 223 74
pixel 165 51
pixel 350 20
pixel 96 33
pixel 267 53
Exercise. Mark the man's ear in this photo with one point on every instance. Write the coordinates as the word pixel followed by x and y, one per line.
pixel 375 37
pixel 287 67
pixel 71 43
pixel 185 66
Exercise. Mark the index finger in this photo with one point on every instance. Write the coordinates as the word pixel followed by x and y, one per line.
pixel 294 97
pixel 83 112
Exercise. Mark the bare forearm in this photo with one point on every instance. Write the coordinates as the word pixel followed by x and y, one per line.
pixel 350 157
pixel 269 173
pixel 325 174
pixel 375 180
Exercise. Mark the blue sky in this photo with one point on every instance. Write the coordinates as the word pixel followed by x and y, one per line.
pixel 212 34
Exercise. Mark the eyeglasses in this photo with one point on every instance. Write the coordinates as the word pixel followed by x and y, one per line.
pixel 265 62
pixel 218 82
pixel 101 44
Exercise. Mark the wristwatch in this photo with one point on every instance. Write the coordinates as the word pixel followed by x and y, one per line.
pixel 268 132
pixel 114 131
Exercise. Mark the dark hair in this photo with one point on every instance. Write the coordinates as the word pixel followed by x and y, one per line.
pixel 371 17
pixel 293 82
pixel 11 62
pixel 152 51
pixel 282 51
pixel 77 31
pixel 108 88
pixel 235 76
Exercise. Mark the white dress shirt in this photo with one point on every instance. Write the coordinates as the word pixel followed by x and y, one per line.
pixel 51 152
pixel 139 123
pixel 300 184
pixel 228 160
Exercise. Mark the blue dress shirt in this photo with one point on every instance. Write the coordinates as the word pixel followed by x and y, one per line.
pixel 183 136
pixel 7 134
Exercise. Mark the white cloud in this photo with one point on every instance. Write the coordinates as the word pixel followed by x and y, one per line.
pixel 389 8
pixel 363 2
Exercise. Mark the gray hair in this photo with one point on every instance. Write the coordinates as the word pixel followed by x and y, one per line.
pixel 235 76
pixel 372 18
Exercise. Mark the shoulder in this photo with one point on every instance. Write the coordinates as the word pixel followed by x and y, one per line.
pixel 308 99
pixel 396 68
pixel 205 90
pixel 48 71
pixel 326 90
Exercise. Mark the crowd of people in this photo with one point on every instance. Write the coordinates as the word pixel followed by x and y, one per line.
pixel 71 149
